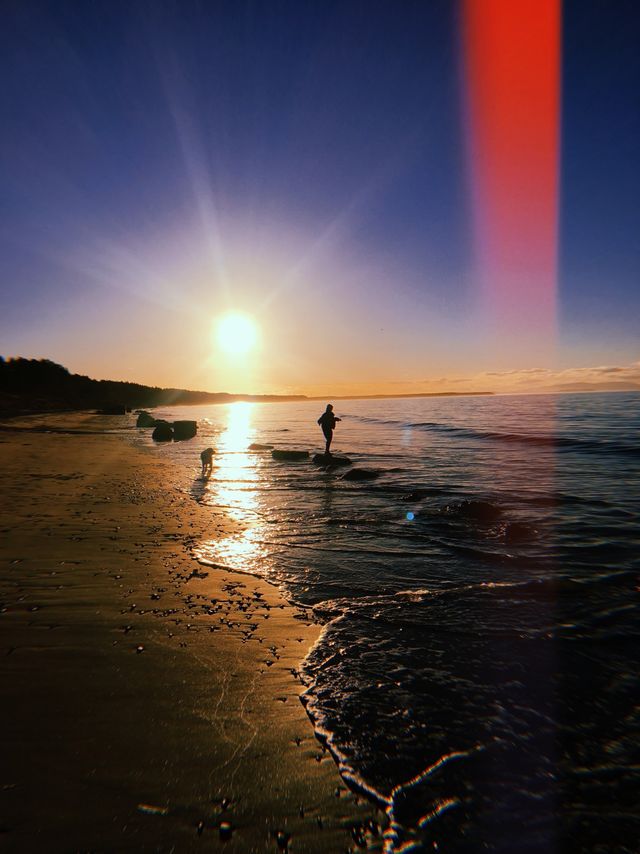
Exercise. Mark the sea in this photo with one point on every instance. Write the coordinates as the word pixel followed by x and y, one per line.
pixel 477 673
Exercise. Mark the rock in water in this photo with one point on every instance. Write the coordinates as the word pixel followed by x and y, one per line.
pixel 145 419
pixel 290 455
pixel 361 474
pixel 162 432
pixel 329 460
pixel 184 430
pixel 256 446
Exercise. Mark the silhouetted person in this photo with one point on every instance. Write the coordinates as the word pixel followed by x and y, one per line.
pixel 328 421
pixel 207 461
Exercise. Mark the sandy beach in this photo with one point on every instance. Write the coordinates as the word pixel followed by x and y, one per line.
pixel 149 703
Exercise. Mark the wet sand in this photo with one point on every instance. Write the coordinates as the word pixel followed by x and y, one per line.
pixel 148 703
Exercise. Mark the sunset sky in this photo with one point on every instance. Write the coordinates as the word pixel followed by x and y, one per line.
pixel 401 196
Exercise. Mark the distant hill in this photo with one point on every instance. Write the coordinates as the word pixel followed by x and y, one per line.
pixel 39 385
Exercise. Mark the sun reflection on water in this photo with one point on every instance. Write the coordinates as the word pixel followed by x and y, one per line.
pixel 232 488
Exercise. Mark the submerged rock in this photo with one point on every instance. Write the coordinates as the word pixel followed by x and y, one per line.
pixel 184 430
pixel 330 460
pixel 290 455
pixel 162 432
pixel 256 446
pixel 361 474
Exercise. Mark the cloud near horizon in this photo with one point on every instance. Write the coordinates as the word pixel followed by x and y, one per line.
pixel 523 380
pixel 546 379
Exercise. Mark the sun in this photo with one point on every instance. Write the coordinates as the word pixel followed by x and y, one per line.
pixel 236 334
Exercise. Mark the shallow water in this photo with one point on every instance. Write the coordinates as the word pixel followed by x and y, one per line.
pixel 478 670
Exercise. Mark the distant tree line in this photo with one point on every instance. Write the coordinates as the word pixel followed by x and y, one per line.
pixel 40 385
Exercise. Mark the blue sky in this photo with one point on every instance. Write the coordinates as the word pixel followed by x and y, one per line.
pixel 162 163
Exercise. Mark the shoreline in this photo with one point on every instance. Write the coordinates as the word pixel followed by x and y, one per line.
pixel 149 702
pixel 17 414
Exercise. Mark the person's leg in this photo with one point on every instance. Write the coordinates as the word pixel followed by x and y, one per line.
pixel 328 436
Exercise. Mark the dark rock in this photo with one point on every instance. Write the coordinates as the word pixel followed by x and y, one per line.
pixel 145 419
pixel 329 460
pixel 361 474
pixel 256 446
pixel 184 430
pixel 112 410
pixel 359 835
pixel 290 455
pixel 162 432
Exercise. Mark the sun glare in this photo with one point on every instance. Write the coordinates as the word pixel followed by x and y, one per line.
pixel 236 334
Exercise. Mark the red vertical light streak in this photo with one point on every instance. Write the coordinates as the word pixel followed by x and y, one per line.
pixel 512 67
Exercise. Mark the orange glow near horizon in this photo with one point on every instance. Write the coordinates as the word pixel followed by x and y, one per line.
pixel 512 65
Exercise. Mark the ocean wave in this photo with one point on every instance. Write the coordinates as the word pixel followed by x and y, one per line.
pixel 553 441
pixel 455 732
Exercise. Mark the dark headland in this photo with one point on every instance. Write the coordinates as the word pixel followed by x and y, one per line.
pixel 40 385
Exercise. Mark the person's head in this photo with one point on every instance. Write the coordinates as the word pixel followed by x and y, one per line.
pixel 329 407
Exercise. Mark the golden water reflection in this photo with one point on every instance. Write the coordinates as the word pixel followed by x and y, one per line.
pixel 233 489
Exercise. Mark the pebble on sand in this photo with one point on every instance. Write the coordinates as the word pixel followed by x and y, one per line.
pixel 150 809
pixel 282 839
pixel 226 830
